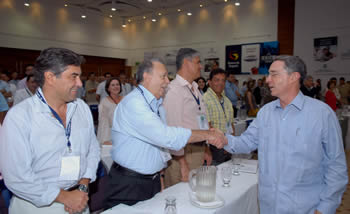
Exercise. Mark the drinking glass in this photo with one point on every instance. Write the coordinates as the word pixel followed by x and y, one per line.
pixel 170 205
pixel 235 162
pixel 226 175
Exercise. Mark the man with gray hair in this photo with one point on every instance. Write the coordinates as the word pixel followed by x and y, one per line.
pixel 141 137
pixel 185 107
pixel 302 166
pixel 307 87
pixel 48 148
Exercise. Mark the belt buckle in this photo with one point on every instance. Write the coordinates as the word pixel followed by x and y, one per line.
pixel 154 176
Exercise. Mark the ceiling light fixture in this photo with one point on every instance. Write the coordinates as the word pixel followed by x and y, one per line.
pixel 66 5
pixel 159 14
pixel 189 14
pixel 178 10
pixel 237 3
pixel 225 0
pixel 113 9
pixel 26 3
pixel 144 17
pixel 123 24
pixel 200 5
pixel 154 20
pixel 110 16
pixel 149 0
pixel 129 20
pixel 83 16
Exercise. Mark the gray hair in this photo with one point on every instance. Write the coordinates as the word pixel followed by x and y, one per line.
pixel 185 53
pixel 56 61
pixel 146 66
pixel 293 64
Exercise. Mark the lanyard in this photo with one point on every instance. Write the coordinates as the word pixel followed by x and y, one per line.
pixel 147 102
pixel 197 99
pixel 67 130
pixel 28 92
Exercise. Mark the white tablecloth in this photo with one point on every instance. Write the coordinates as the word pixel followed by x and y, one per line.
pixel 241 197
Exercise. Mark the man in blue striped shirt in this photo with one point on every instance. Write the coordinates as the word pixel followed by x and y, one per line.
pixel 302 166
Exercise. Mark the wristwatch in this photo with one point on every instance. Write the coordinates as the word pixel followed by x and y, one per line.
pixel 83 188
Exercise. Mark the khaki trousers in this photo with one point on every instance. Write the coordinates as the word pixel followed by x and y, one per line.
pixel 21 206
pixel 194 155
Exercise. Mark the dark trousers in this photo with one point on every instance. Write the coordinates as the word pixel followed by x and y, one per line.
pixel 129 187
pixel 234 111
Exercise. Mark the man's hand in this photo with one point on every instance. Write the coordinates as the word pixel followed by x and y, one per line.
pixel 207 156
pixel 317 212
pixel 74 201
pixel 217 138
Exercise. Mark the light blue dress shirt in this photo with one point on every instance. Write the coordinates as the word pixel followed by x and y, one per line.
pixel 4 86
pixel 139 134
pixel 3 103
pixel 230 92
pixel 302 164
pixel 32 143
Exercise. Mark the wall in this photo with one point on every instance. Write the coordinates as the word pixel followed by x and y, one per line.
pixel 209 29
pixel 317 19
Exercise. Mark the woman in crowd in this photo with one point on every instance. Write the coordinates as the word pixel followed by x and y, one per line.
pixel 202 85
pixel 330 97
pixel 252 108
pixel 106 110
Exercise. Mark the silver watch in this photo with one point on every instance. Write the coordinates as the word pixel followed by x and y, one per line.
pixel 83 188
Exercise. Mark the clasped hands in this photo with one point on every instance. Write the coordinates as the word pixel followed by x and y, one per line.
pixel 217 138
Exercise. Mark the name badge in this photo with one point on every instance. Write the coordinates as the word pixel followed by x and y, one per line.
pixel 70 168
pixel 202 122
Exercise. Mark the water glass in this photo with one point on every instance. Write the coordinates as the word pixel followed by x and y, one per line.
pixel 170 205
pixel 226 175
pixel 235 162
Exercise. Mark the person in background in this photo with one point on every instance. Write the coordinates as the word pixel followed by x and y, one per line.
pixel 101 92
pixel 14 78
pixel 28 69
pixel 106 110
pixel 257 92
pixel 59 152
pixel 3 108
pixel 90 89
pixel 330 97
pixel 219 111
pixel 252 108
pixel 126 87
pixel 318 87
pixel 232 91
pixel 343 89
pixel 28 91
pixel 202 85
pixel 308 88
pixel 302 165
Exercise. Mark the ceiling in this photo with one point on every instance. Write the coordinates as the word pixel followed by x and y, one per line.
pixel 138 8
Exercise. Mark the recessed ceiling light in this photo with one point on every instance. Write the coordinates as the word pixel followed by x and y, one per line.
pixel 110 16
pixel 159 14
pixel 144 17
pixel 237 3
pixel 149 0
pixel 225 0
pixel 113 9
pixel 66 5
pixel 178 10
pixel 26 4
pixel 154 20
pixel 123 25
pixel 189 14
pixel 83 16
pixel 129 20
pixel 200 5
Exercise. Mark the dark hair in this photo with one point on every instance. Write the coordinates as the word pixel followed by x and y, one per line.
pixel 293 64
pixel 329 84
pixel 146 66
pixel 185 53
pixel 109 82
pixel 216 72
pixel 30 76
pixel 28 65
pixel 55 60
pixel 342 78
pixel 333 79
pixel 205 83
pixel 107 74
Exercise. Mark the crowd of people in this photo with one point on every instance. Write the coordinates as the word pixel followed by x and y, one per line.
pixel 160 130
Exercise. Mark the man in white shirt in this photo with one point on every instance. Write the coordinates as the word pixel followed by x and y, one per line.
pixel 126 87
pixel 101 92
pixel 26 92
pixel 28 69
pixel 48 149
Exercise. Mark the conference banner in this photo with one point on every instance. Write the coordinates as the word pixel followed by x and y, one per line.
pixel 233 59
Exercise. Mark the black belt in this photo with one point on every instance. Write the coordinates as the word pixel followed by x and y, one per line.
pixel 200 143
pixel 129 172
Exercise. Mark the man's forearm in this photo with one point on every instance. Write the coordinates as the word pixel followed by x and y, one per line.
pixel 199 135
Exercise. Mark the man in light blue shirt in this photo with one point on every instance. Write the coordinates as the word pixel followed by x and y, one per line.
pixel 141 138
pixel 47 142
pixel 302 166
pixel 3 108
pixel 232 91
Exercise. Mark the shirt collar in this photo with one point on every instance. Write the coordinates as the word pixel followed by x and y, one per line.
pixel 211 91
pixel 184 82
pixel 150 98
pixel 297 102
pixel 42 107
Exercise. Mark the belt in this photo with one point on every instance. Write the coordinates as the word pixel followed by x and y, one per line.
pixel 201 143
pixel 132 173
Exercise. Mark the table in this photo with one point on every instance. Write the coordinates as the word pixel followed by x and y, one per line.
pixel 241 197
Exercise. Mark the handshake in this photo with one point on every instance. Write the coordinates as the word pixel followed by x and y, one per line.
pixel 217 138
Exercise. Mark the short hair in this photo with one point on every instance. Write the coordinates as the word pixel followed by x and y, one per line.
pixel 30 76
pixel 329 84
pixel 146 66
pixel 105 75
pixel 229 73
pixel 109 82
pixel 342 78
pixel 185 53
pixel 293 64
pixel 56 61
pixel 28 65
pixel 216 72
pixel 334 79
